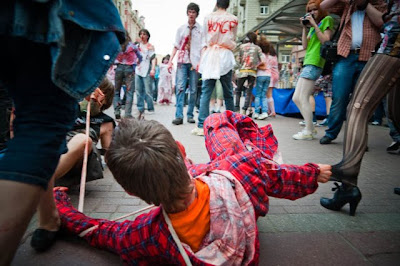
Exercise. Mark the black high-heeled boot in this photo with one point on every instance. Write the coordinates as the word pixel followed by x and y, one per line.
pixel 344 194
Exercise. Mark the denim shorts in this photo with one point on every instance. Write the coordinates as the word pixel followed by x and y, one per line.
pixel 311 72
pixel 43 113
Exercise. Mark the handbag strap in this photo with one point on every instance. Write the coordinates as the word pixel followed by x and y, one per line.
pixel 176 239
pixel 337 33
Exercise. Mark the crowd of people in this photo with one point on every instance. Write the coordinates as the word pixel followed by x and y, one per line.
pixel 193 201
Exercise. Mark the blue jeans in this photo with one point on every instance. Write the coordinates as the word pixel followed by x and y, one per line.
pixel 143 89
pixel 261 94
pixel 184 72
pixel 345 75
pixel 123 72
pixel 311 72
pixel 44 113
pixel 206 91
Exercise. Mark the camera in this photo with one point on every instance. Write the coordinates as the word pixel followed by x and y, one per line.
pixel 305 21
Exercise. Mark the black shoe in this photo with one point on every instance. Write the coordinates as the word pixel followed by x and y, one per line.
pixel 325 140
pixel 177 121
pixel 394 148
pixel 117 116
pixel 397 190
pixel 43 239
pixel 190 120
pixel 344 194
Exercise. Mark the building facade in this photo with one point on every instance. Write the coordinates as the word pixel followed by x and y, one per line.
pixel 130 18
pixel 252 12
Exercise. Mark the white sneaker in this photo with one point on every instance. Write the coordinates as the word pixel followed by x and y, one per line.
pixel 197 131
pixel 256 116
pixel 263 116
pixel 314 132
pixel 150 112
pixel 302 135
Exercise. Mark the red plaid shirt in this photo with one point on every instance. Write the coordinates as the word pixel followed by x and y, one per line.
pixel 371 36
pixel 236 144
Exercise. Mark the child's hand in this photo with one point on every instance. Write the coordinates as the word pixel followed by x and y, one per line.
pixel 60 196
pixel 325 173
pixel 97 96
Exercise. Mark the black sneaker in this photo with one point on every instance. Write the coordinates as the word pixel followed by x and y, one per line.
pixel 177 121
pixel 117 116
pixel 394 148
pixel 190 120
pixel 325 140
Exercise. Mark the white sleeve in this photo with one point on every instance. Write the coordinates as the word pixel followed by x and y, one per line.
pixel 177 38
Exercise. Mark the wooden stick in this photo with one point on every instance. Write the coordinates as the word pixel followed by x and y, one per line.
pixel 85 160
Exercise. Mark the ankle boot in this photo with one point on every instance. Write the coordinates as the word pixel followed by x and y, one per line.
pixel 344 194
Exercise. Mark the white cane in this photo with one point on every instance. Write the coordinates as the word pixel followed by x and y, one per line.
pixel 85 160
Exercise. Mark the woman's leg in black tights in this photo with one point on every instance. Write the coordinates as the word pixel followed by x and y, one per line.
pixel 379 76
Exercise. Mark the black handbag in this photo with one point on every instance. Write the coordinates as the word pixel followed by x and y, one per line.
pixel 328 51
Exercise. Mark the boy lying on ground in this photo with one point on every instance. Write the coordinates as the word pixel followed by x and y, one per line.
pixel 212 207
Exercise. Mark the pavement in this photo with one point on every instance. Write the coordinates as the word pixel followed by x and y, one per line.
pixel 297 232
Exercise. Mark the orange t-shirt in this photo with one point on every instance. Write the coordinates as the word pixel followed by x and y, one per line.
pixel 192 224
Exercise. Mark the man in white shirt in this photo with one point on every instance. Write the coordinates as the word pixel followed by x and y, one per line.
pixel 188 44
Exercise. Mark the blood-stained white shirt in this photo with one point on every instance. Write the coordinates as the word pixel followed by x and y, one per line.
pixel 182 39
pixel 147 52
pixel 219 31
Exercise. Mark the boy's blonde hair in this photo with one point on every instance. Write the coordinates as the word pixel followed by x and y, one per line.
pixel 147 163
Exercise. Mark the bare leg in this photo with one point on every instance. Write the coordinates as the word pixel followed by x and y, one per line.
pixel 270 101
pixel 328 102
pixel 301 97
pixel 14 218
pixel 48 214
pixel 379 76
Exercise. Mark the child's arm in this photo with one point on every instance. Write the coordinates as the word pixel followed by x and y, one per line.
pixel 110 235
pixel 296 181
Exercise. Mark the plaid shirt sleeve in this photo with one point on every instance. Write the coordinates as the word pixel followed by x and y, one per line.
pixel 236 144
pixel 144 241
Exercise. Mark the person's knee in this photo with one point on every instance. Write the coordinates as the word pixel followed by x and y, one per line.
pixel 78 143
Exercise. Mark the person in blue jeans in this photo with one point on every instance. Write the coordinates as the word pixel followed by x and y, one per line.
pixel 217 59
pixel 260 101
pixel 56 52
pixel 125 73
pixel 188 45
pixel 359 36
pixel 145 71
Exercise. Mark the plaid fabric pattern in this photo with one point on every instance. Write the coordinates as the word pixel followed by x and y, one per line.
pixel 144 241
pixel 371 36
pixel 237 145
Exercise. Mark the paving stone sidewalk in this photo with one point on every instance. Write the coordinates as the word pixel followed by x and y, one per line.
pixel 294 232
